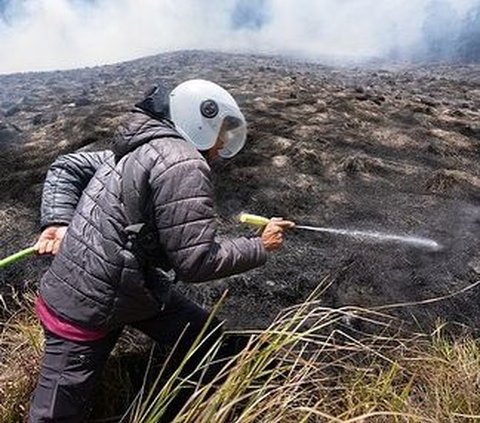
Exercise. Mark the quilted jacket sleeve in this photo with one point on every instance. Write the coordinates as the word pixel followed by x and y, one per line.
pixel 185 220
pixel 66 179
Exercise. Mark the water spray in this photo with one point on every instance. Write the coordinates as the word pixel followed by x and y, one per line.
pixel 415 241
pixel 261 221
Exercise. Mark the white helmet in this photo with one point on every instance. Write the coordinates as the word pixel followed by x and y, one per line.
pixel 199 108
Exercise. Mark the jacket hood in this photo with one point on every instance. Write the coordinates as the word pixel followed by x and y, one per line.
pixel 138 128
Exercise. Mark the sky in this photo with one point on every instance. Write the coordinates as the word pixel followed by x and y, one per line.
pixel 61 34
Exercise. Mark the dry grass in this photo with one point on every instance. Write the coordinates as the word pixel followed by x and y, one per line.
pixel 20 351
pixel 323 375
pixel 313 364
pixel 441 182
pixel 316 364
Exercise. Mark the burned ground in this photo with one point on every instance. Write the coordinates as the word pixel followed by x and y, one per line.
pixel 391 148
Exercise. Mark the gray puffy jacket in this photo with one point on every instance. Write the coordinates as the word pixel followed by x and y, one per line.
pixel 95 281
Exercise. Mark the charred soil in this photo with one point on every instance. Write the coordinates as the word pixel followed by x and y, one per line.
pixel 393 150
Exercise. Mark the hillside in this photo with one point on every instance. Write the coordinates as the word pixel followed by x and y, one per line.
pixel 384 148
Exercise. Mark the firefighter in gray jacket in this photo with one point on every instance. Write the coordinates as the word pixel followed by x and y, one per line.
pixel 117 221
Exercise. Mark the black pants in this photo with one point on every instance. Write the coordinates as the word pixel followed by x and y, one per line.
pixel 70 370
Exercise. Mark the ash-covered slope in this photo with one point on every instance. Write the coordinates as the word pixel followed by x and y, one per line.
pixel 393 150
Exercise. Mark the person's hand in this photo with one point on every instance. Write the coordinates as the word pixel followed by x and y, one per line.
pixel 272 235
pixel 50 240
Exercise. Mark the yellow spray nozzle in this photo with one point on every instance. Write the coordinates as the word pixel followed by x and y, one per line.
pixel 252 219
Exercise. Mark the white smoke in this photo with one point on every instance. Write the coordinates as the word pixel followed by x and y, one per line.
pixel 58 34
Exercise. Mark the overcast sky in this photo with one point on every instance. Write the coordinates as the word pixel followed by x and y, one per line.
pixel 59 34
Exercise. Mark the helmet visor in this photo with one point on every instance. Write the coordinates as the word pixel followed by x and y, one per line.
pixel 233 134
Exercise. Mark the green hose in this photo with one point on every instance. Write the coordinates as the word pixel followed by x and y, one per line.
pixel 17 257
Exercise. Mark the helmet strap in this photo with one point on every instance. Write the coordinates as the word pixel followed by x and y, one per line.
pixel 156 103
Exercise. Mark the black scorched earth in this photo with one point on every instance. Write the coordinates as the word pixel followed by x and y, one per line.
pixel 384 148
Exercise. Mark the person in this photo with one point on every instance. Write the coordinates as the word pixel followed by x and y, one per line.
pixel 121 222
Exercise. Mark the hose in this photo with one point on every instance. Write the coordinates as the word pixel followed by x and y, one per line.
pixel 14 258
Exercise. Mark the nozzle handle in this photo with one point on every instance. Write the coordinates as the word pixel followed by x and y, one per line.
pixel 14 258
pixel 252 219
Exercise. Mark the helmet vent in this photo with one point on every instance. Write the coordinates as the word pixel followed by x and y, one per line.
pixel 209 109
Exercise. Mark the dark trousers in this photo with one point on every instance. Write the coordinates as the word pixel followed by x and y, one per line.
pixel 70 370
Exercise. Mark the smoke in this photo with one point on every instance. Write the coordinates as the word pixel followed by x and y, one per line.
pixel 448 35
pixel 57 34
